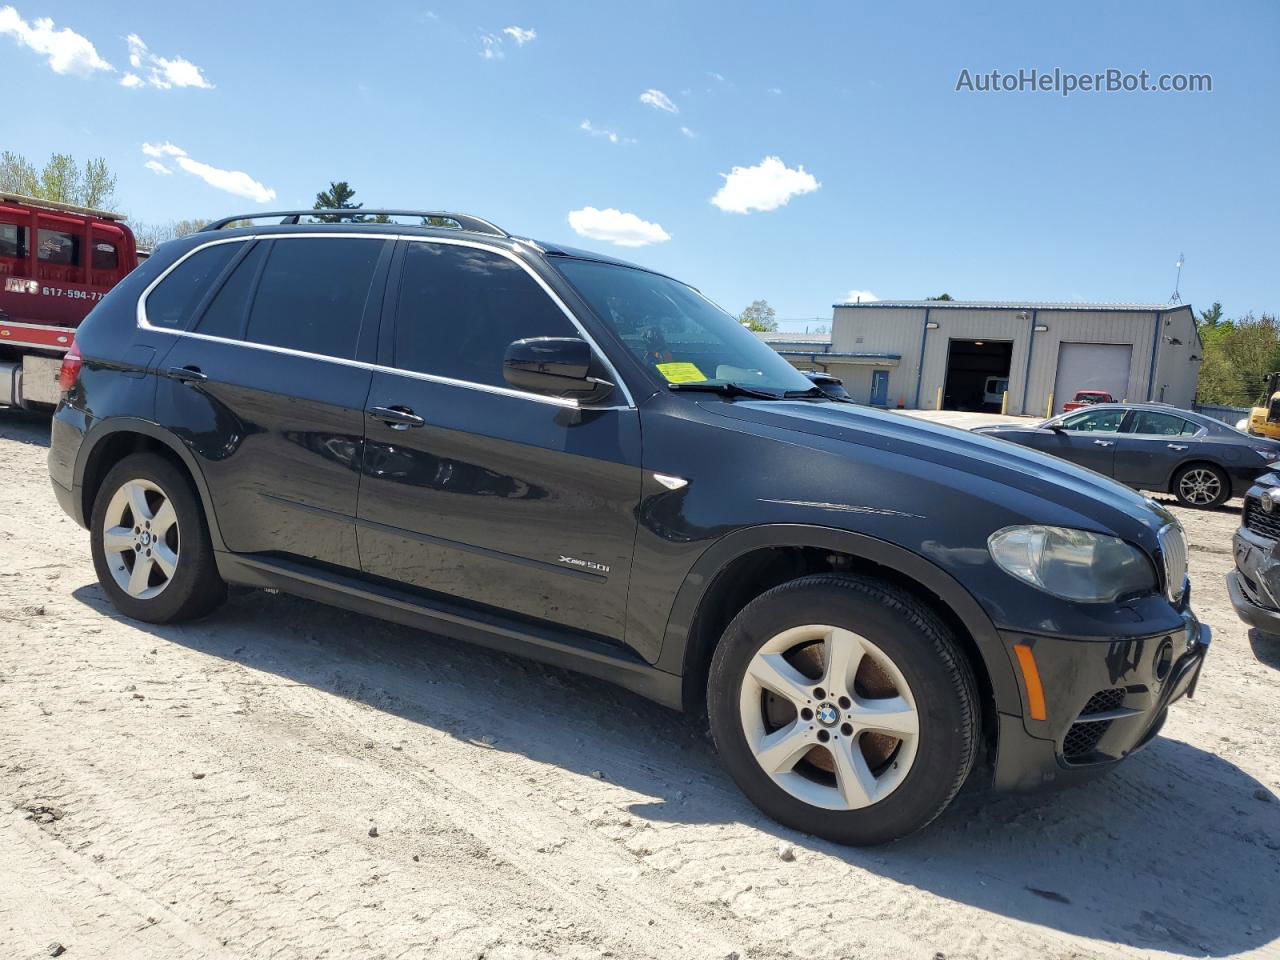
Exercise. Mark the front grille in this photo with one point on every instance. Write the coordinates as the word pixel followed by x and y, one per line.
pixel 1259 521
pixel 1173 549
pixel 1103 701
pixel 1083 736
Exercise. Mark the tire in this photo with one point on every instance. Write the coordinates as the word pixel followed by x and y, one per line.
pixel 1201 486
pixel 180 580
pixel 909 664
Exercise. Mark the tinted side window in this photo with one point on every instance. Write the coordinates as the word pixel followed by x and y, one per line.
pixel 459 308
pixel 1098 421
pixel 1161 424
pixel 225 315
pixel 105 256
pixel 312 294
pixel 13 240
pixel 172 302
pixel 56 246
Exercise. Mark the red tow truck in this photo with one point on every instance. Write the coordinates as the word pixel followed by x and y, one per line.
pixel 56 262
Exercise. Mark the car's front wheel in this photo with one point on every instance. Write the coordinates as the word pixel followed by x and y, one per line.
pixel 150 544
pixel 843 707
pixel 1201 485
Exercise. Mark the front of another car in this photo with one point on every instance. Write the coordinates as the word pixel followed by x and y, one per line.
pixel 1254 585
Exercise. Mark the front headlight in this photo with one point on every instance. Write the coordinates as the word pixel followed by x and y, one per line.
pixel 1073 564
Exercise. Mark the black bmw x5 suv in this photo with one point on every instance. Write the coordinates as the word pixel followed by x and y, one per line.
pixel 556 453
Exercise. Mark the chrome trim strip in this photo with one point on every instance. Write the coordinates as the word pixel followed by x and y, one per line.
pixel 1173 555
pixel 487 552
pixel 144 324
pixel 845 508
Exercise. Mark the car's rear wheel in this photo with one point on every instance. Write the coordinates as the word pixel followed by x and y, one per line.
pixel 843 707
pixel 150 544
pixel 1201 485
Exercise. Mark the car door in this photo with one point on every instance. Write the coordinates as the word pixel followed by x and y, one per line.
pixel 1151 447
pixel 512 500
pixel 1087 438
pixel 267 388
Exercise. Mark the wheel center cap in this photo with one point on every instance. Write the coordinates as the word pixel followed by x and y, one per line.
pixel 827 714
pixel 146 539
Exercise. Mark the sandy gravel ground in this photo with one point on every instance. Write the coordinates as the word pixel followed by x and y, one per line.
pixel 285 780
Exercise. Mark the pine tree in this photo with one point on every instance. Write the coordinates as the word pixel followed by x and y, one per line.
pixel 339 196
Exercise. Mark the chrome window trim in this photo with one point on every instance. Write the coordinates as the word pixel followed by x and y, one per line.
pixel 144 324
pixel 555 298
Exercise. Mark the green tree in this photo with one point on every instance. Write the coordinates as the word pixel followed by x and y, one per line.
pixel 61 180
pixel 945 296
pixel 1238 355
pixel 339 196
pixel 759 317
pixel 1211 316
pixel 151 235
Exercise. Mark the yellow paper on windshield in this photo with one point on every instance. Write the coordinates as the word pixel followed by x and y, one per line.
pixel 681 372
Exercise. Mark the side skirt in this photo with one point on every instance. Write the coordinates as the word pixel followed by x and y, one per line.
pixel 565 649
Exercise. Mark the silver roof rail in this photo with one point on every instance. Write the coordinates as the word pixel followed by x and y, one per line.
pixel 464 221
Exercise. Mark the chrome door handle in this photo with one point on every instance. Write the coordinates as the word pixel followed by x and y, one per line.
pixel 1177 446
pixel 188 375
pixel 397 418
pixel 1104 443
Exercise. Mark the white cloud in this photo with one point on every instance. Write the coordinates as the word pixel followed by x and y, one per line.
pixel 860 296
pixel 717 77
pixel 236 182
pixel 688 133
pixel 659 100
pixel 162 72
pixel 776 91
pixel 131 80
pixel 766 186
pixel 491 47
pixel 520 35
pixel 611 135
pixel 155 166
pixel 162 150
pixel 614 226
pixel 67 51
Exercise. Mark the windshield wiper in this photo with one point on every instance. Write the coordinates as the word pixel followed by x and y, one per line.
pixel 814 391
pixel 725 389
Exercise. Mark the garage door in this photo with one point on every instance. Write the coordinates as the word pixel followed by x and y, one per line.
pixel 1092 366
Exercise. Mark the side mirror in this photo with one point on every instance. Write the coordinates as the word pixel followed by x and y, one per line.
pixel 560 366
pixel 1055 427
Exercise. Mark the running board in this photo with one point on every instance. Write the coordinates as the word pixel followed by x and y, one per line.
pixel 561 648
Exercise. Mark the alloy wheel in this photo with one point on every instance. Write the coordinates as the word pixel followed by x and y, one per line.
pixel 829 717
pixel 1200 487
pixel 140 539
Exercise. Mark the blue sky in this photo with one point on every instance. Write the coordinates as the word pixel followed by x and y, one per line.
pixel 903 187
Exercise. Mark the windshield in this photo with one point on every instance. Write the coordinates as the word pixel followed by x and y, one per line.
pixel 678 333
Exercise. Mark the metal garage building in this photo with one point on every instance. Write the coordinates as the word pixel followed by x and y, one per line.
pixel 953 354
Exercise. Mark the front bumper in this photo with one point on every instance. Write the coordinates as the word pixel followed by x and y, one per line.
pixel 1254 583
pixel 1103 700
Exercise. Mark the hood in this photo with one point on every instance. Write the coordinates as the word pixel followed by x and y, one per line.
pixel 1038 487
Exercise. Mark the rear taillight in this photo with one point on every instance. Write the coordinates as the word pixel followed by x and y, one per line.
pixel 69 374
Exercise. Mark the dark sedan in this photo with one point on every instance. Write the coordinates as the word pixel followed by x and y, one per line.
pixel 1152 446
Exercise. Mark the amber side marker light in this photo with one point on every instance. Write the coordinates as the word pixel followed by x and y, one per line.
pixel 1031 677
